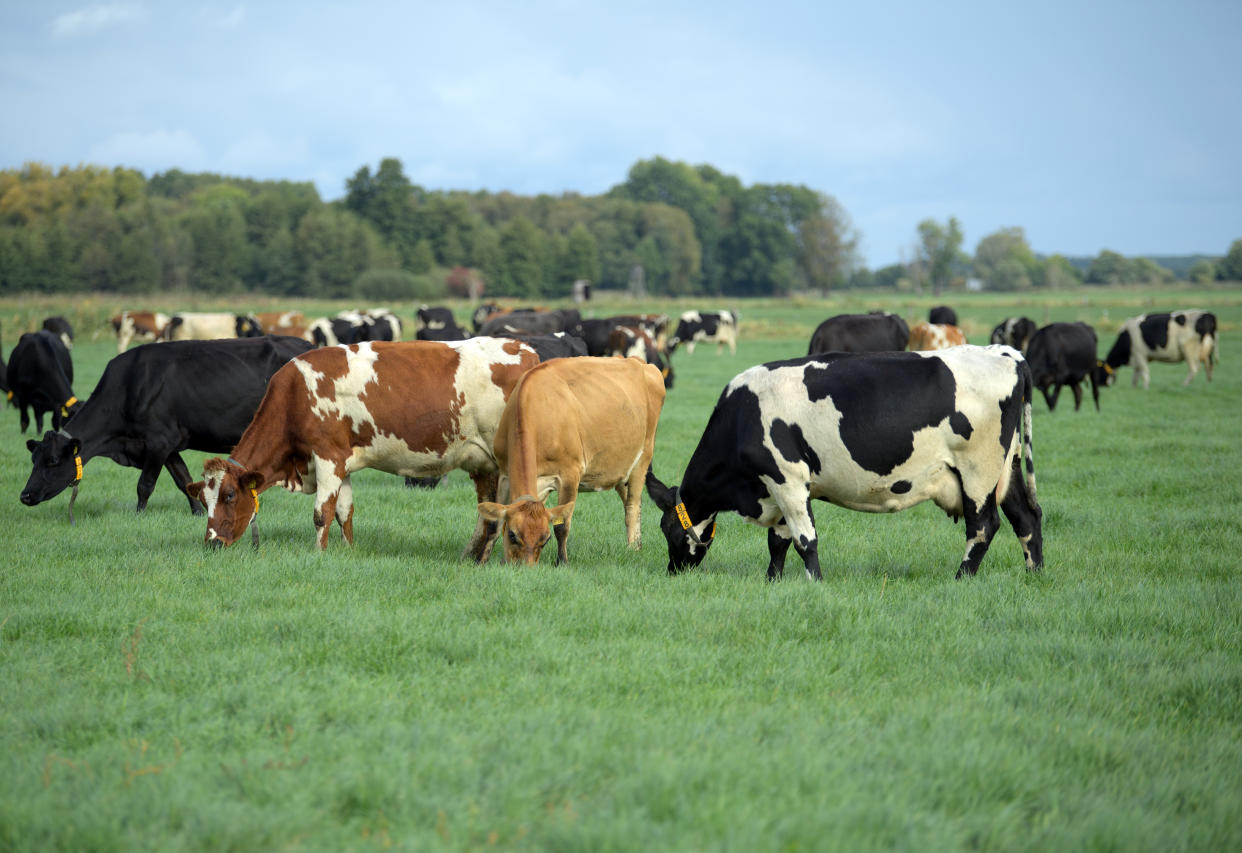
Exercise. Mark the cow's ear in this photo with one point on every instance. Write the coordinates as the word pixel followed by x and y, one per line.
pixel 195 491
pixel 661 494
pixel 32 445
pixel 561 514
pixel 492 511
pixel 250 480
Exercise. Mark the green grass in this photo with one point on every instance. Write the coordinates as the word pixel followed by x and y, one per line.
pixel 158 696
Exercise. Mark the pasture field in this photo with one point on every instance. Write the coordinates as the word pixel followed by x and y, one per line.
pixel 157 696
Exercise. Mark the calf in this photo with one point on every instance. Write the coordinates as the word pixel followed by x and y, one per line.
pixel 626 341
pixel 1062 354
pixel 932 336
pixel 1188 336
pixel 573 423
pixel 40 377
pixel 1015 332
pixel 695 326
pixel 877 432
pixel 878 331
pixel 153 402
pixel 142 325
pixel 418 409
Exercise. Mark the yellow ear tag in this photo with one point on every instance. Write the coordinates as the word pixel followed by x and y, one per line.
pixel 64 410
pixel 77 464
pixel 558 521
pixel 711 534
pixel 254 494
pixel 682 516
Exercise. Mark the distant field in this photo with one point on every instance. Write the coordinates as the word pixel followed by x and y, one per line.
pixel 157 696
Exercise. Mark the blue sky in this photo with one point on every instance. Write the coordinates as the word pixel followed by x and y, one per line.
pixel 1092 125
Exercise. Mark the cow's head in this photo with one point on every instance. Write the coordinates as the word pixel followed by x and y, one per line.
pixel 525 526
pixel 56 465
pixel 1104 374
pixel 230 494
pixel 688 540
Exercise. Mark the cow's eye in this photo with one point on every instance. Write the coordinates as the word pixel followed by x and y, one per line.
pixel 513 537
pixel 229 496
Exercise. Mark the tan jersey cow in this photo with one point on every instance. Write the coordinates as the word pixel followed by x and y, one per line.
pixel 573 423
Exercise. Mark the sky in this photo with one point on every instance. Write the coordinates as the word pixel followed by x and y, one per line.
pixel 1090 125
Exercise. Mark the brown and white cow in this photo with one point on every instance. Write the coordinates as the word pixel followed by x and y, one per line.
pixel 573 423
pixel 934 336
pixel 143 325
pixel 281 322
pixel 417 409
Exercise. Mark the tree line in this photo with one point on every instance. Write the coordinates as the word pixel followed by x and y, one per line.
pixel 668 229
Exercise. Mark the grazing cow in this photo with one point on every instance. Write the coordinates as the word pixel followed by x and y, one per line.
pixel 153 402
pixel 876 432
pixel 437 323
pixel 281 322
pixel 417 409
pixel 60 326
pixel 558 345
pixel 481 314
pixel 534 322
pixel 596 332
pixel 1064 354
pixel 341 329
pixel 201 326
pixel 573 423
pixel 878 331
pixel 626 341
pixel 695 326
pixel 143 325
pixel 40 377
pixel 929 336
pixel 942 315
pixel 381 325
pixel 1015 332
pixel 1188 336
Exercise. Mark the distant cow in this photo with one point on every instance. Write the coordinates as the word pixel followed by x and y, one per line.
pixel 40 377
pixel 351 327
pixel 533 322
pixel 877 432
pixel 381 325
pixel 558 345
pixel 933 336
pixel 595 332
pixel 60 326
pixel 878 331
pixel 1188 336
pixel 627 341
pixel 1015 332
pixel 415 409
pixel 695 326
pixel 210 326
pixel 483 312
pixel 437 323
pixel 140 325
pixel 281 322
pixel 1064 354
pixel 586 423
pixel 942 315
pixel 153 402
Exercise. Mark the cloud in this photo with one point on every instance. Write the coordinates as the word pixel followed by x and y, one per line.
pixel 95 18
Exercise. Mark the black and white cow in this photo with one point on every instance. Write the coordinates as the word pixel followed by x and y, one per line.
pixel 878 331
pixel 437 323
pixel 556 345
pixel 1063 354
pixel 153 402
pixel 942 315
pixel 381 325
pixel 627 341
pixel 480 315
pixel 60 326
pixel 1015 332
pixel 40 377
pixel 876 432
pixel 695 326
pixel 1188 336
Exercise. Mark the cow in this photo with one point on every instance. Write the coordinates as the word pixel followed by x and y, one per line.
pixel 437 323
pixel 60 326
pixel 344 328
pixel 40 378
pixel 153 402
pixel 143 325
pixel 596 331
pixel 942 315
pixel 484 311
pixel 4 380
pixel 1015 332
pixel 695 326
pixel 534 322
pixel 381 325
pixel 281 322
pixel 626 341
pixel 558 345
pixel 205 326
pixel 878 331
pixel 929 336
pixel 572 423
pixel 414 409
pixel 1063 354
pixel 875 432
pixel 1188 336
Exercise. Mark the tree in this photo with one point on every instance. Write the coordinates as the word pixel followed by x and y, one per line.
pixel 1230 266
pixel 827 245
pixel 1202 272
pixel 218 230
pixel 521 246
pixel 1004 261
pixel 389 202
pixel 1108 267
pixel 939 250
pixel 1058 273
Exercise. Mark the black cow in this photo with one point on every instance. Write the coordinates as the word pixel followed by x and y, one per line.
pixel 437 323
pixel 1015 332
pixel 877 432
pixel 153 402
pixel 556 345
pixel 40 377
pixel 60 326
pixel 1063 354
pixel 695 326
pixel 596 332
pixel 878 331
pixel 248 326
pixel 942 315
pixel 533 323
pixel 1188 336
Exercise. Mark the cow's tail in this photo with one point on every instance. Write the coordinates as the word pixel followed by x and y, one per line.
pixel 1028 436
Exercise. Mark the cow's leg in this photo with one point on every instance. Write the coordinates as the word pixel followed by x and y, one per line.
pixel 1077 389
pixel 479 548
pixel 345 509
pixel 1026 519
pixel 982 522
pixel 328 483
pixel 567 493
pixel 176 468
pixel 151 465
pixel 779 541
pixel 25 418
pixel 631 493
pixel 1051 399
pixel 801 525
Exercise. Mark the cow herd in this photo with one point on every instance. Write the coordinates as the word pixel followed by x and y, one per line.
pixel 877 417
